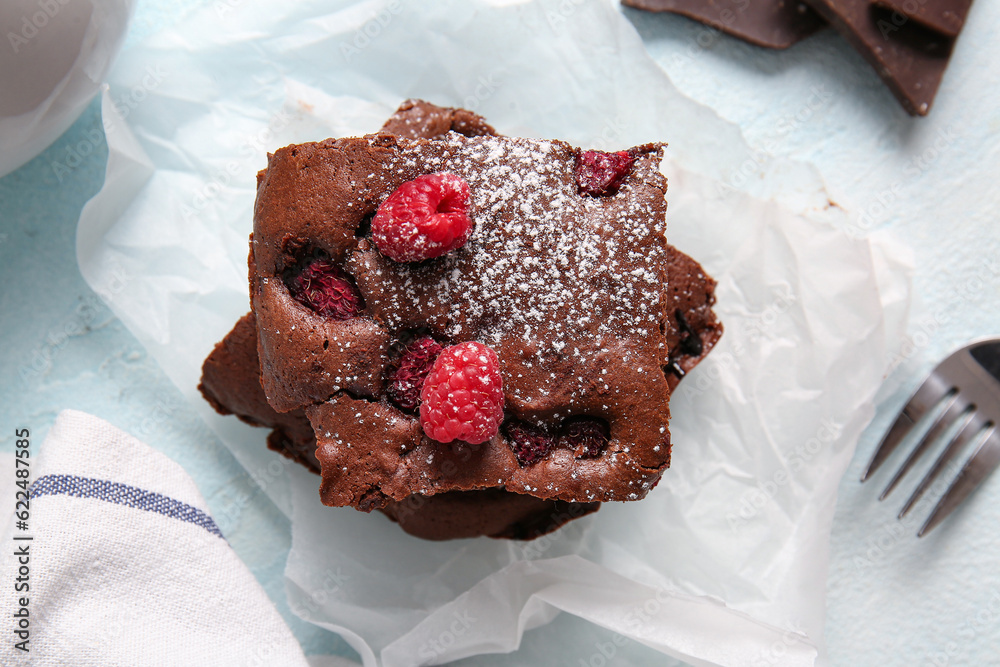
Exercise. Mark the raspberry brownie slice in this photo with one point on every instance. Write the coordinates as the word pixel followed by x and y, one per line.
pixel 563 281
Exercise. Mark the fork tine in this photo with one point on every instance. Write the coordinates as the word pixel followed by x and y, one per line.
pixel 952 411
pixel 926 396
pixel 975 470
pixel 970 429
pixel 899 429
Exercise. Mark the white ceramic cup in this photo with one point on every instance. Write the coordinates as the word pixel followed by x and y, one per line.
pixel 54 55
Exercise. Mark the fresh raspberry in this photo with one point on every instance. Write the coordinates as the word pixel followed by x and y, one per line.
pixel 528 442
pixel 600 174
pixel 462 397
pixel 326 289
pixel 424 218
pixel 586 436
pixel 407 377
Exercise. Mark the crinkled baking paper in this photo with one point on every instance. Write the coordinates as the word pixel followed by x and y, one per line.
pixel 724 563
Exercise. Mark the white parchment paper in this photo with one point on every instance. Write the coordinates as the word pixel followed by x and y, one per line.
pixel 725 562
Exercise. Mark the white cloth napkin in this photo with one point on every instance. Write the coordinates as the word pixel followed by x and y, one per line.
pixel 124 564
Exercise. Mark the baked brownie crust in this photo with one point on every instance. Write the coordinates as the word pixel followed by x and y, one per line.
pixel 491 512
pixel 230 382
pixel 692 327
pixel 416 119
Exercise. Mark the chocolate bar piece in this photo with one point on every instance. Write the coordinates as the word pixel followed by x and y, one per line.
pixel 776 24
pixel 908 55
pixel 944 16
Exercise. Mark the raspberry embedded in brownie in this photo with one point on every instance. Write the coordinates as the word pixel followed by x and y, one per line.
pixel 423 219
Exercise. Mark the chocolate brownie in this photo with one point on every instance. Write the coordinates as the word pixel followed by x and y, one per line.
pixel 692 329
pixel 491 512
pixel 567 288
pixel 689 327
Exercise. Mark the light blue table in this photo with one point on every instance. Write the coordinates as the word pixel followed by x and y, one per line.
pixel 892 600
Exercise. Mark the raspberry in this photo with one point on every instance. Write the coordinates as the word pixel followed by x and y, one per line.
pixel 423 218
pixel 600 174
pixel 529 443
pixel 326 289
pixel 407 378
pixel 586 436
pixel 462 397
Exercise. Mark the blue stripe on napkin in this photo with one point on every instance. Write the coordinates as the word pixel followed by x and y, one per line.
pixel 122 494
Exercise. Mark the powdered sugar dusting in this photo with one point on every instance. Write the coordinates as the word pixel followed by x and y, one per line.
pixel 543 264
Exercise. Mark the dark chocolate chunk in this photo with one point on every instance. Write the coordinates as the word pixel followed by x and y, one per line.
pixel 908 56
pixel 776 24
pixel 943 16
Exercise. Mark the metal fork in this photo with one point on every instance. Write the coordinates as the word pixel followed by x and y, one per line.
pixel 967 383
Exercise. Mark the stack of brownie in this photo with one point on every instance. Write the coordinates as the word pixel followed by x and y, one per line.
pixel 566 276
